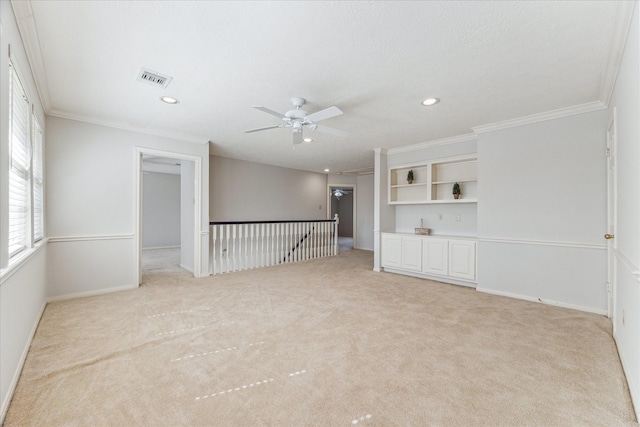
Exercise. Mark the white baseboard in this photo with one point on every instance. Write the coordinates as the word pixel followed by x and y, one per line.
pixel 91 293
pixel 631 382
pixel 161 247
pixel 543 301
pixel 23 358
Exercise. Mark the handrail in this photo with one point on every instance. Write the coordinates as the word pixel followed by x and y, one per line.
pixel 270 222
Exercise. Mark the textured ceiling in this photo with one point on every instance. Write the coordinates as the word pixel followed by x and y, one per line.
pixel 376 61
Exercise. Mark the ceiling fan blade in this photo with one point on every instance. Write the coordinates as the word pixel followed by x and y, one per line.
pixel 332 131
pixel 264 128
pixel 327 113
pixel 268 111
pixel 297 137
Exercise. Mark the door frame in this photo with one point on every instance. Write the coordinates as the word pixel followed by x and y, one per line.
pixel 197 214
pixel 612 204
pixel 354 222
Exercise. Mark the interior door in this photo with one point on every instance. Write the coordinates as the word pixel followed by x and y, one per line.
pixel 611 219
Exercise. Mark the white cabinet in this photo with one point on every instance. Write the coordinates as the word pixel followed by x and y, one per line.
pixel 448 259
pixel 411 258
pixel 433 182
pixel 462 259
pixel 435 255
pixel 391 250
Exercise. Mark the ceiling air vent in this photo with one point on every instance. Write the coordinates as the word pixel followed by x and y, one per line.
pixel 153 78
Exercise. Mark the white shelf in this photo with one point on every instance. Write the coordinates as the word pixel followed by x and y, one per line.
pixel 433 182
pixel 408 185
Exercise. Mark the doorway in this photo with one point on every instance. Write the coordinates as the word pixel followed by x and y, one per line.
pixel 161 246
pixel 172 218
pixel 342 201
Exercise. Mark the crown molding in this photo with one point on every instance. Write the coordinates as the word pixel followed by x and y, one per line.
pixel 29 34
pixel 125 126
pixel 540 117
pixel 431 144
pixel 622 23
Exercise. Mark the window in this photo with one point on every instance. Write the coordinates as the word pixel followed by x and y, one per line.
pixel 38 182
pixel 19 170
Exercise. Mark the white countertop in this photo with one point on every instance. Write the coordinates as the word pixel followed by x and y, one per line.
pixel 441 236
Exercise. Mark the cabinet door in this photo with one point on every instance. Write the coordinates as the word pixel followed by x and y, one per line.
pixel 462 259
pixel 411 253
pixel 435 255
pixel 391 250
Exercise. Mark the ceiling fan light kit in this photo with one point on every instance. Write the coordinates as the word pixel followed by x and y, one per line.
pixel 299 119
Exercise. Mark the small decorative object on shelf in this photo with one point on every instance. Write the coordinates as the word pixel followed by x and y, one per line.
pixel 410 176
pixel 456 191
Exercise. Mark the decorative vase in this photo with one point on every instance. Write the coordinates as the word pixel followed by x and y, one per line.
pixel 410 181
pixel 456 196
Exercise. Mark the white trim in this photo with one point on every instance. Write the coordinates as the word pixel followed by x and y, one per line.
pixel 540 117
pixel 29 34
pixel 431 144
pixel 443 279
pixel 471 157
pixel 161 247
pixel 23 358
pixel 17 262
pixel 91 293
pixel 629 265
pixel 197 196
pixel 622 23
pixel 195 139
pixel 90 238
pixel 541 301
pixel 600 246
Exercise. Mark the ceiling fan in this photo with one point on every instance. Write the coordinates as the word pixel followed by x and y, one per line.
pixel 298 119
pixel 338 192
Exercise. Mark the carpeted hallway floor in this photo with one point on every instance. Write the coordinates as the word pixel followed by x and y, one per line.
pixel 326 342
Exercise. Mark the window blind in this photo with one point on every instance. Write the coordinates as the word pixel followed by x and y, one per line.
pixel 38 182
pixel 19 167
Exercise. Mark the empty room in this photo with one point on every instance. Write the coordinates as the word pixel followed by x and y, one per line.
pixel 371 213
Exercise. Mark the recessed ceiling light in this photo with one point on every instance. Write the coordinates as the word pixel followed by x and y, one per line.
pixel 327 170
pixel 430 101
pixel 307 140
pixel 169 100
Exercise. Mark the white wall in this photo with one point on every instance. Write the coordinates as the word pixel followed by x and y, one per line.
pixel 23 284
pixel 91 185
pixel 364 212
pixel 247 191
pixel 160 210
pixel 626 102
pixel 542 211
pixel 187 190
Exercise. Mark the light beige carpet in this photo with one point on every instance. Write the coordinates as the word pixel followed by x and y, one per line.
pixel 318 343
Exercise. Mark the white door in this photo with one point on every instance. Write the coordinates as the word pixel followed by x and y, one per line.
pixel 411 253
pixel 611 218
pixel 462 259
pixel 391 250
pixel 435 256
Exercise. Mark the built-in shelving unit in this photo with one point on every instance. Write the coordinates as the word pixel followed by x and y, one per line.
pixel 433 182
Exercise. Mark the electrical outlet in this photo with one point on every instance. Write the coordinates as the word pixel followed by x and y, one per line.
pixel 458 218
pixel 319 207
pixel 439 217
pixel 224 253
